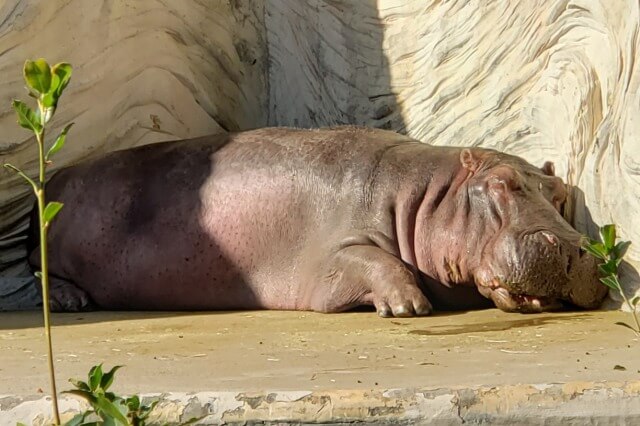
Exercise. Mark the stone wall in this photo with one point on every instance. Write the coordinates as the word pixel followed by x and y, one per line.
pixel 548 80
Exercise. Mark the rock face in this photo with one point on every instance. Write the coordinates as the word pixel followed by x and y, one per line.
pixel 547 80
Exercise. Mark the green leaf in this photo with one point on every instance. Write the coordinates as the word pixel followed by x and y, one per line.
pixel 22 175
pixel 620 249
pixel 49 100
pixel 609 268
pixel 51 210
pixel 145 410
pixel 95 377
pixel 149 409
pixel 37 74
pixel 635 301
pixel 151 406
pixel 624 324
pixel 133 403
pixel 86 395
pixel 611 282
pixel 111 396
pixel 107 378
pixel 27 118
pixel 32 93
pixel 608 235
pixel 80 384
pixel 112 410
pixel 62 73
pixel 596 249
pixel 59 143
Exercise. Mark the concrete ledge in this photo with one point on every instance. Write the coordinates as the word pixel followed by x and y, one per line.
pixel 575 403
pixel 297 367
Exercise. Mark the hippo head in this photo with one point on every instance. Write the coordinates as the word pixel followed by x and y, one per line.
pixel 513 242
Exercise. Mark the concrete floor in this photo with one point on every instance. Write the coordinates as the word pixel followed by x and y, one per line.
pixel 254 351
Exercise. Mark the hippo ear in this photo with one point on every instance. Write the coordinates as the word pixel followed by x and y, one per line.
pixel 468 160
pixel 548 168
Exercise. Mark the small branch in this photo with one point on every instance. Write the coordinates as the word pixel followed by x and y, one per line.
pixel 633 311
pixel 23 175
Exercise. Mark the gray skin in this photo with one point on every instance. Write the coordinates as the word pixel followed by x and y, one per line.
pixel 324 220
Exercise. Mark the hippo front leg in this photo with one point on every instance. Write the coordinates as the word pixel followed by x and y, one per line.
pixel 64 296
pixel 368 275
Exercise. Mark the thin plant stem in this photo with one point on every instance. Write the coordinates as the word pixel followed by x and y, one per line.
pixel 632 308
pixel 44 275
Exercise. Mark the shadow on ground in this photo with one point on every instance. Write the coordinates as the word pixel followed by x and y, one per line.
pixel 33 319
pixel 528 320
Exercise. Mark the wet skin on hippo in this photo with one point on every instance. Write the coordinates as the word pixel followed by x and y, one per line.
pixel 324 220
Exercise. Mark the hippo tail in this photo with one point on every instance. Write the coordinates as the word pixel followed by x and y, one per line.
pixel 33 233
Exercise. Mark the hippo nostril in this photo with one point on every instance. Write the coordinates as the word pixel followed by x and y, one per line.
pixel 569 264
pixel 552 239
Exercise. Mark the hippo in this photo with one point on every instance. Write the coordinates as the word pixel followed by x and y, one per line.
pixel 324 220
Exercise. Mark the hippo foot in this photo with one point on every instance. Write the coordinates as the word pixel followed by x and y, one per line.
pixel 65 296
pixel 402 301
pixel 368 275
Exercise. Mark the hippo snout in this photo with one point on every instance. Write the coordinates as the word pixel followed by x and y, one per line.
pixel 585 289
pixel 574 270
pixel 581 285
pixel 541 270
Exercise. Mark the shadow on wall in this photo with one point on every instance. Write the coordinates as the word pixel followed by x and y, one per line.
pixel 580 217
pixel 328 66
pixel 578 214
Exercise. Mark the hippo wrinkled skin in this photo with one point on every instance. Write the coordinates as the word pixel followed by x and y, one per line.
pixel 324 220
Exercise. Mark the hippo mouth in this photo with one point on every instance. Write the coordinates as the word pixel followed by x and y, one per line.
pixel 513 302
pixel 524 303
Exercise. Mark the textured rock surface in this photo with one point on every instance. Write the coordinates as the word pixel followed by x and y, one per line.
pixel 548 80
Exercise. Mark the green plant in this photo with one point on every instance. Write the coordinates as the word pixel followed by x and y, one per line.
pixel 111 409
pixel 611 255
pixel 45 84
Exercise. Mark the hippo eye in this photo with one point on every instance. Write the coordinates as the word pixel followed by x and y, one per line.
pixel 502 186
pixel 497 185
pixel 503 179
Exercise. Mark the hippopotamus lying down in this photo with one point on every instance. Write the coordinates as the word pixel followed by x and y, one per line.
pixel 323 220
